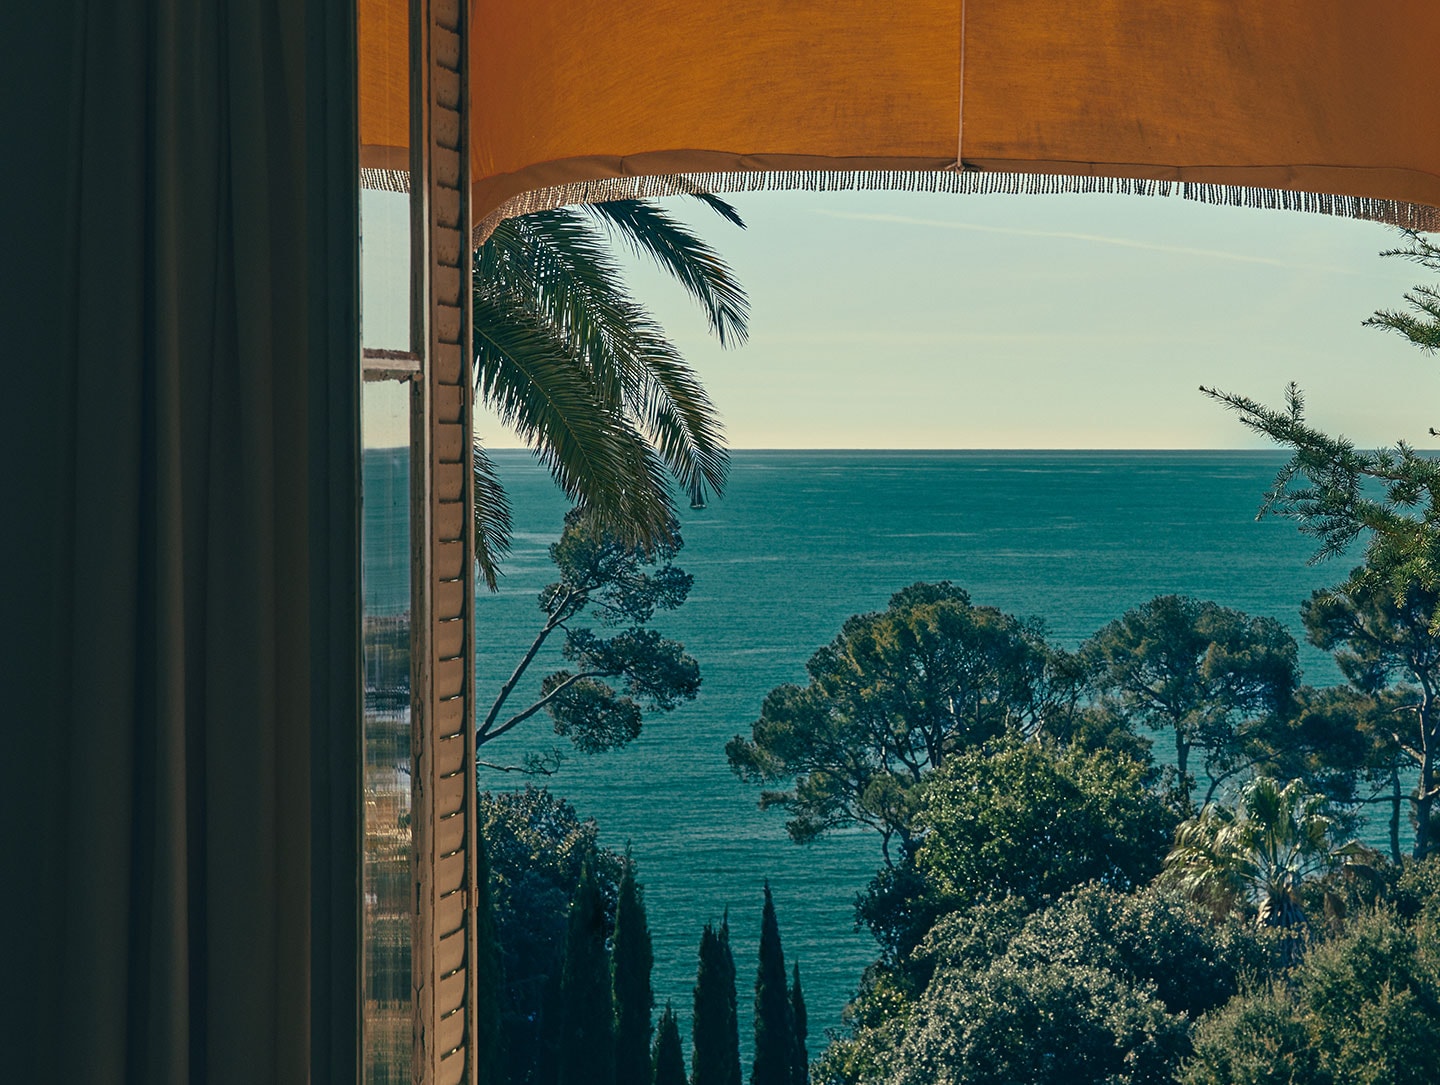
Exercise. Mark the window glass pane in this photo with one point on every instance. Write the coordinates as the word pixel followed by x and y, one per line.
pixel 385 269
pixel 387 874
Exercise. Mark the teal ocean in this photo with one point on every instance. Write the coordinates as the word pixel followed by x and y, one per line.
pixel 800 541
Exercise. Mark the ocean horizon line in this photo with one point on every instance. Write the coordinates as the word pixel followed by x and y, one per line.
pixel 894 449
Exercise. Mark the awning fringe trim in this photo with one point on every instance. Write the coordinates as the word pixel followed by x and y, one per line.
pixel 974 182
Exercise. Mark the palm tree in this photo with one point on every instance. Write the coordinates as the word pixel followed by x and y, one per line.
pixel 587 377
pixel 1258 853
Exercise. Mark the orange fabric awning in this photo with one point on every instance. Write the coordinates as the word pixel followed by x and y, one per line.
pixel 1317 96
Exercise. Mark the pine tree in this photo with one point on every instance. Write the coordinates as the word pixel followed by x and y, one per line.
pixel 715 1049
pixel 633 996
pixel 774 1033
pixel 797 1015
pixel 489 1047
pixel 586 1047
pixel 669 1058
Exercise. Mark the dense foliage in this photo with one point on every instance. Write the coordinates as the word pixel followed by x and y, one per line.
pixel 1059 911
pixel 899 693
pixel 1023 819
pixel 1108 986
pixel 1380 625
pixel 1028 819
pixel 1053 907
pixel 489 1043
pixel 1361 1008
pixel 565 957
pixel 1101 985
pixel 537 845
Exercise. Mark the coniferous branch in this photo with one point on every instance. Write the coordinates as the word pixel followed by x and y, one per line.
pixel 615 676
pixel 1338 494
pixel 1422 325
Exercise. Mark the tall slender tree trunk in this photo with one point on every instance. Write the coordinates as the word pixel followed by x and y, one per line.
pixel 1396 798
pixel 1425 790
pixel 1182 760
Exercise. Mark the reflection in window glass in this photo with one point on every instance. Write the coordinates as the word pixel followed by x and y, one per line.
pixel 386 623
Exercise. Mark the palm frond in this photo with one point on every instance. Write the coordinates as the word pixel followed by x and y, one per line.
pixel 560 267
pixel 721 207
pixel 586 377
pixel 492 517
pixel 669 404
pixel 561 262
pixel 533 379
pixel 651 231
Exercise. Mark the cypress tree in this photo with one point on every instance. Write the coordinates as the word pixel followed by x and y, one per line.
pixel 732 1014
pixel 797 1015
pixel 633 996
pixel 586 1048
pixel 774 1033
pixel 715 1048
pixel 489 1046
pixel 669 1058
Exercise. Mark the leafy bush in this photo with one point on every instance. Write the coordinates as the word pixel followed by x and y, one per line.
pixel 1027 819
pixel 1037 1024
pixel 1151 938
pixel 1363 1009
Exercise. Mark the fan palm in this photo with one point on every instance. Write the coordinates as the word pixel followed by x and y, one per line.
pixel 587 377
pixel 1258 853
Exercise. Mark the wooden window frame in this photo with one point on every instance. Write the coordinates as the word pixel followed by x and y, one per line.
pixel 442 682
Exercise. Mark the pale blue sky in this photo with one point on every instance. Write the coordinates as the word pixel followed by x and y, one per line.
pixel 914 320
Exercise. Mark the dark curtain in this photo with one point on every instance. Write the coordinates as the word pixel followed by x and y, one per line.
pixel 180 575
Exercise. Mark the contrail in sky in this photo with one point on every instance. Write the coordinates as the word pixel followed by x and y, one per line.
pixel 1121 242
